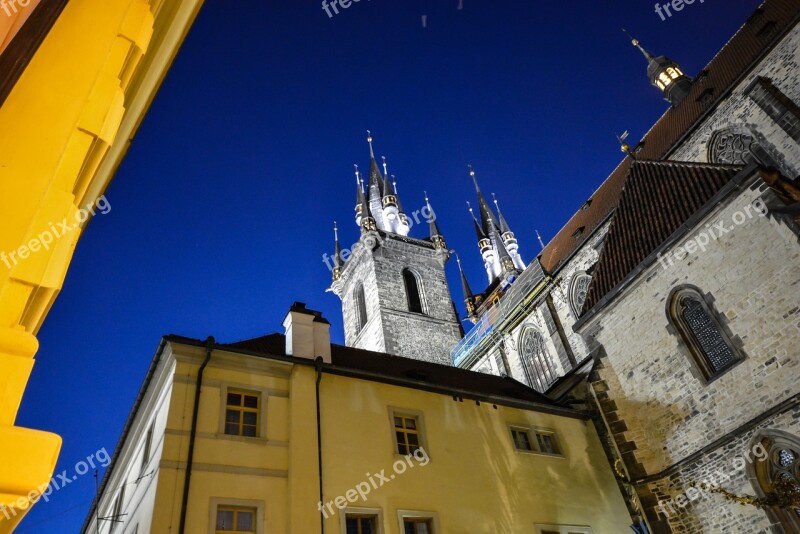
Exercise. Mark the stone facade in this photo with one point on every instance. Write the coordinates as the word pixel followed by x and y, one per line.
pixel 377 265
pixel 658 406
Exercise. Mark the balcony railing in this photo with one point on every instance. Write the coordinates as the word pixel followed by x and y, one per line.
pixel 521 288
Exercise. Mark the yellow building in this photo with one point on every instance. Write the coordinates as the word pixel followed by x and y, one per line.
pixel 290 434
pixel 76 79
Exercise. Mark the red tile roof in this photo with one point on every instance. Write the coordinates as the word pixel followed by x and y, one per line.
pixel 759 34
pixel 658 197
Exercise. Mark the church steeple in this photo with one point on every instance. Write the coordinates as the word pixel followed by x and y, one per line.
pixel 666 75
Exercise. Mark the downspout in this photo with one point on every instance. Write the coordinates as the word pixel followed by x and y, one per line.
pixel 188 477
pixel 318 364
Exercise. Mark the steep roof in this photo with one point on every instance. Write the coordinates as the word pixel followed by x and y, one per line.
pixel 762 31
pixel 657 198
pixel 407 372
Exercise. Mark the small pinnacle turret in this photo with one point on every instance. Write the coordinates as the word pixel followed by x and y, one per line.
pixel 469 299
pixel 435 234
pixel 338 263
pixel 665 74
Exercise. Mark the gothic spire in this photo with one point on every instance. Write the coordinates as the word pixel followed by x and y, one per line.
pixel 375 179
pixel 504 229
pixel 487 219
pixel 436 235
pixel 479 233
pixel 506 262
pixel 361 202
pixel 464 283
pixel 337 254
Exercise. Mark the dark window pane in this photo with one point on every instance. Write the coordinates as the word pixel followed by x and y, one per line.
pixel 409 527
pixel 411 423
pixel 224 520
pixel 717 351
pixel 234 399
pixel 351 525
pixel 250 401
pixel 367 525
pixel 232 416
pixel 412 292
pixel 232 429
pixel 245 521
pixel 249 431
pixel 250 418
pixel 413 439
pixel 402 449
pixel 398 422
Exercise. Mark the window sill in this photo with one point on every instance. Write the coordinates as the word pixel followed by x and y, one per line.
pixel 243 439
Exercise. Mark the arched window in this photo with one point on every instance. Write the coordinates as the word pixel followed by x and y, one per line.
pixel 701 331
pixel 776 458
pixel 577 292
pixel 536 363
pixel 361 307
pixel 413 292
pixel 740 145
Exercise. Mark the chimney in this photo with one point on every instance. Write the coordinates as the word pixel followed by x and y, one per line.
pixel 307 333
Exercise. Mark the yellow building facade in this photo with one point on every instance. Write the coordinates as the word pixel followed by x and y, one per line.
pixel 76 79
pixel 404 446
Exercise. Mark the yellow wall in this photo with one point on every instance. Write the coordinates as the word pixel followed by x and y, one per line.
pixel 80 99
pixel 475 481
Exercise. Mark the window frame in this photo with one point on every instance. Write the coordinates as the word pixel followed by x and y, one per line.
pixel 776 105
pixel 362 511
pixel 217 502
pixel 433 517
pixel 533 440
pixel 117 508
pixel 538 365
pixel 147 450
pixel 573 287
pixel 421 429
pixel 407 273
pixel 261 419
pixel 360 308
pixel 688 340
pixel 563 529
pixel 761 475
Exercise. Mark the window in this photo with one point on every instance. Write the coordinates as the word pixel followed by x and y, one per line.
pixel 116 514
pixel 417 525
pixel 700 330
pixel 407 433
pixel 578 289
pixel 361 524
pixel 148 443
pixel 522 440
pixel 536 364
pixel 535 440
pixel 241 414
pixel 361 308
pixel 413 293
pixel 562 529
pixel 235 519
pixel 781 463
pixel 778 106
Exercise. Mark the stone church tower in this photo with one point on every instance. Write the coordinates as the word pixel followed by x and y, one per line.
pixel 393 288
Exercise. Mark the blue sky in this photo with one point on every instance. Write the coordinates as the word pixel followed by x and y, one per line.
pixel 223 208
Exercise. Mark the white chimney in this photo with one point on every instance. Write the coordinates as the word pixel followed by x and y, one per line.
pixel 307 333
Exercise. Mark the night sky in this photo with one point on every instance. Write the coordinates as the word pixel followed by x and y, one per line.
pixel 223 207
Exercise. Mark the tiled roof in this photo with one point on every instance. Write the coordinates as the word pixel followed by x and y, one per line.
pixel 758 35
pixel 658 197
pixel 407 372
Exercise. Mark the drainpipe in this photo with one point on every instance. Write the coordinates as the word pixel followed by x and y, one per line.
pixel 318 364
pixel 187 479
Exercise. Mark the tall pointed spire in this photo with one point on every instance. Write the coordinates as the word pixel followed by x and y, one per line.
pixel 487 219
pixel 361 202
pixel 504 229
pixel 539 237
pixel 436 235
pixel 469 298
pixel 369 141
pixel 479 233
pixel 506 263
pixel 337 254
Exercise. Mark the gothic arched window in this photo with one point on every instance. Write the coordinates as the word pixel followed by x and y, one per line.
pixel 361 307
pixel 738 145
pixel 577 292
pixel 536 363
pixel 701 331
pixel 413 292
pixel 776 458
